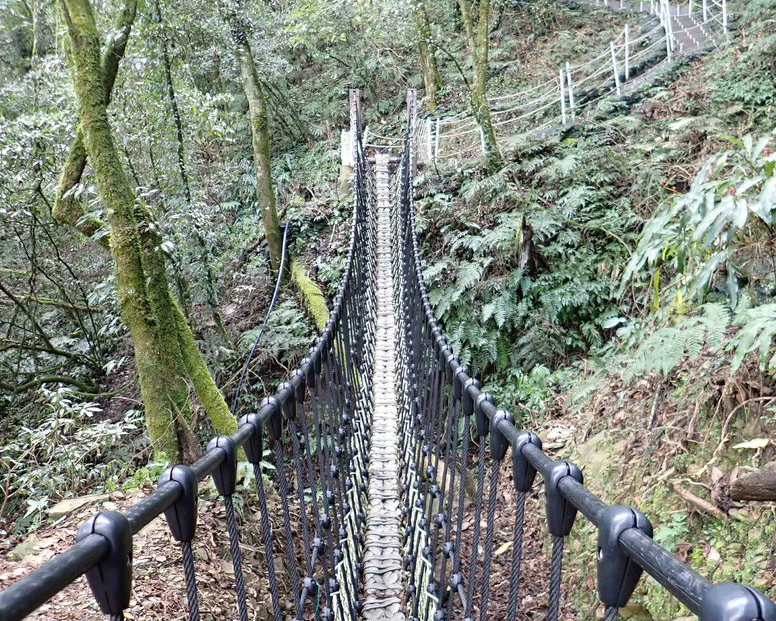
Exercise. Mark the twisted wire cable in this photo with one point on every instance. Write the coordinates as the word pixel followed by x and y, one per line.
pixel 556 569
pixel 478 502
pixel 489 532
pixel 612 613
pixel 300 486
pixel 290 547
pixel 234 544
pixel 269 552
pixel 517 557
pixel 192 591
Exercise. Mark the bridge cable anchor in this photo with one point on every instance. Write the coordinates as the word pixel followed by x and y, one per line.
pixel 523 471
pixel 225 474
pixel 111 579
pixel 618 574
pixel 181 516
pixel 729 601
pixel 560 512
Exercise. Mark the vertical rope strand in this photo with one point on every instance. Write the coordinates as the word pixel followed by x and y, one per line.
pixel 556 569
pixel 517 557
pixel 192 591
pixel 234 544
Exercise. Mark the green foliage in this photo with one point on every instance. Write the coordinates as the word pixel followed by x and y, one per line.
pixel 530 252
pixel 674 532
pixel 690 242
pixel 758 326
pixel 664 349
pixel 62 453
pixel 748 81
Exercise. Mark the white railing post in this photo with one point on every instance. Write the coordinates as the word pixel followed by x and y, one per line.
pixel 724 17
pixel 562 97
pixel 627 52
pixel 665 18
pixel 483 146
pixel 436 139
pixel 570 85
pixel 689 8
pixel 429 147
pixel 705 10
pixel 614 68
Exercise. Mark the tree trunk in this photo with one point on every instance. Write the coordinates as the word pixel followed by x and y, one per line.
pixel 257 106
pixel 158 332
pixel 479 44
pixel 757 485
pixel 432 80
pixel 311 293
pixel 68 208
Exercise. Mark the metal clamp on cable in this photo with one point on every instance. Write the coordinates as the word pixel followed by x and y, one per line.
pixel 458 382
pixel 483 423
pixel 472 384
pixel 299 382
pixel 729 601
pixel 560 512
pixel 287 398
pixel 111 579
pixel 275 426
pixel 618 574
pixel 498 441
pixel 225 475
pixel 523 472
pixel 451 364
pixel 254 447
pixel 181 516
pixel 308 368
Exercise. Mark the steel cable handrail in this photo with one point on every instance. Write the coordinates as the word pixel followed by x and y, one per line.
pixel 336 379
pixel 436 393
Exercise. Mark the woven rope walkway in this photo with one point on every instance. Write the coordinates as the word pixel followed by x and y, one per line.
pixel 383 583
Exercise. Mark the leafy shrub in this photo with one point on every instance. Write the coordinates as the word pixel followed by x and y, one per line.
pixel 689 243
pixel 62 454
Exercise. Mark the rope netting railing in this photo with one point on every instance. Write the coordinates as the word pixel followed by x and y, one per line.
pixel 454 438
pixel 671 31
pixel 316 428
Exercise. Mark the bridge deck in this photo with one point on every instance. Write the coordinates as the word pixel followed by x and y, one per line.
pixel 383 583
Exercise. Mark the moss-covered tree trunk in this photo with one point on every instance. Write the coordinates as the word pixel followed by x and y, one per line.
pixel 257 108
pixel 311 293
pixel 160 335
pixel 432 80
pixel 68 207
pixel 478 35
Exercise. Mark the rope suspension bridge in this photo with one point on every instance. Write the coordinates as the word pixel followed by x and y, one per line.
pixel 373 441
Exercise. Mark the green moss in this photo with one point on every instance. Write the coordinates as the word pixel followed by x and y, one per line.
pixel 313 298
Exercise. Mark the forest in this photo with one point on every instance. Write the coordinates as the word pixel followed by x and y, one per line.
pixel 175 219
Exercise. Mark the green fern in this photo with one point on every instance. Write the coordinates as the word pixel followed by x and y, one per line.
pixel 758 326
pixel 667 347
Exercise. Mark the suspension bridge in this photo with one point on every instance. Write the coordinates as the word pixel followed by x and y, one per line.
pixel 373 440
pixel 378 434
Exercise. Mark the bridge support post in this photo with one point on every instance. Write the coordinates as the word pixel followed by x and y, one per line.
pixel 614 68
pixel 626 35
pixel 562 97
pixel 412 117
